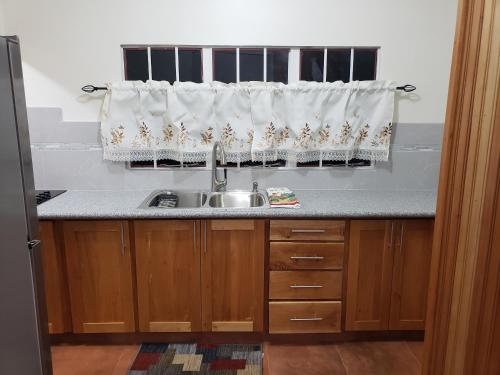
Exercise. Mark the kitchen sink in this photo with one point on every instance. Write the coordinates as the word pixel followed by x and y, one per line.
pixel 237 199
pixel 175 199
pixel 166 199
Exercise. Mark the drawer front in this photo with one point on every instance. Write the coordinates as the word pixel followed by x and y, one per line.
pixel 304 317
pixel 306 256
pixel 309 230
pixel 305 284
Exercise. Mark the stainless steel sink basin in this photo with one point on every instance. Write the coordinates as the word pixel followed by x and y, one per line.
pixel 237 199
pixel 175 199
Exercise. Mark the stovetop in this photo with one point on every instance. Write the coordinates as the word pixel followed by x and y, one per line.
pixel 45 195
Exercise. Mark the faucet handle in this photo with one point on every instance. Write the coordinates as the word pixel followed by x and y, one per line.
pixel 255 186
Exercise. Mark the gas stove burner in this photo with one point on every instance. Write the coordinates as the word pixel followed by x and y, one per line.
pixel 45 195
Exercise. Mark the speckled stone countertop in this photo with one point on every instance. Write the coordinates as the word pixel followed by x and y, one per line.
pixel 105 204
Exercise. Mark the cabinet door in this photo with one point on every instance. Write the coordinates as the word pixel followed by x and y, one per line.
pixel 412 257
pixel 99 276
pixel 168 275
pixel 54 278
pixel 233 275
pixel 369 275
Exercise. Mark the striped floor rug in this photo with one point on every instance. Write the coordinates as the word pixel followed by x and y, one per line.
pixel 184 359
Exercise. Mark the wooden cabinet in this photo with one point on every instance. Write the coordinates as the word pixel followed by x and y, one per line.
pixel 388 272
pixel 410 281
pixel 99 276
pixel 369 274
pixel 233 275
pixel 168 275
pixel 305 261
pixel 54 278
pixel 304 316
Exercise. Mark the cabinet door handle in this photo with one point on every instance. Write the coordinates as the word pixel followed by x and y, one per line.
pixel 194 236
pixel 305 286
pixel 306 258
pixel 392 232
pixel 308 230
pixel 401 238
pixel 305 319
pixel 122 241
pixel 205 237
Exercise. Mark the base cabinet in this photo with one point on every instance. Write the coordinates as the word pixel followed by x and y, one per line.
pixel 99 276
pixel 168 275
pixel 388 274
pixel 233 275
pixel 54 278
pixel 410 279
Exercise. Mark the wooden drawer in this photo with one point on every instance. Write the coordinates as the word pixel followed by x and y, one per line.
pixel 305 284
pixel 306 256
pixel 313 230
pixel 304 317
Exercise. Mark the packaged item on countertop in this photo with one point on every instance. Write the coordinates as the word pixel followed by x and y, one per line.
pixel 282 197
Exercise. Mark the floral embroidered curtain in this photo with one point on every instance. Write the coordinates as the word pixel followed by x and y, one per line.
pixel 304 121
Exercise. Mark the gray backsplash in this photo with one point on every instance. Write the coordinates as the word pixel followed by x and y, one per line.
pixel 68 155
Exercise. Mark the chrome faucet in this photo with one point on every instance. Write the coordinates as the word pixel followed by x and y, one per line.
pixel 218 185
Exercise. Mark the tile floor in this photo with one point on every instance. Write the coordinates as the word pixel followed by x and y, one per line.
pixel 366 358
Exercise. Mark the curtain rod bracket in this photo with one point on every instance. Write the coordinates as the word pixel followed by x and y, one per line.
pixel 91 88
pixel 406 88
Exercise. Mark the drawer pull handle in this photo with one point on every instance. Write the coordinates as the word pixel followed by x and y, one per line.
pixel 306 258
pixel 308 231
pixel 305 319
pixel 305 286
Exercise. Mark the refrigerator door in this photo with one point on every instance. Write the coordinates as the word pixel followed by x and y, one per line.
pixel 23 323
pixel 23 136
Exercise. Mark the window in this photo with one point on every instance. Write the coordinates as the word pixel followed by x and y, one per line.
pixel 365 64
pixel 163 64
pixel 234 64
pixel 338 64
pixel 277 65
pixel 190 65
pixel 224 65
pixel 311 64
pixel 136 64
pixel 251 64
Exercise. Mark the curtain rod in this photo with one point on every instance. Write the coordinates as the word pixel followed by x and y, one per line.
pixel 91 88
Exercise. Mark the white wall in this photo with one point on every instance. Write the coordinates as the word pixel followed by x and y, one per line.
pixel 2 19
pixel 67 44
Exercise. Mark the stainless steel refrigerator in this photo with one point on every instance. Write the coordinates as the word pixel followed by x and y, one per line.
pixel 24 347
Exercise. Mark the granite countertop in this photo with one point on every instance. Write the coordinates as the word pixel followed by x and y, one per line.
pixel 117 204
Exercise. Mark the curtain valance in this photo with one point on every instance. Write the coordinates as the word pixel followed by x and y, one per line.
pixel 304 121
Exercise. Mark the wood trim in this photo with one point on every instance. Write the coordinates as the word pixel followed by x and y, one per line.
pixel 225 337
pixel 105 327
pixel 462 312
pixel 170 327
pixel 244 326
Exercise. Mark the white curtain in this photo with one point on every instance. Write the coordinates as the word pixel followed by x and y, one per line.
pixel 304 121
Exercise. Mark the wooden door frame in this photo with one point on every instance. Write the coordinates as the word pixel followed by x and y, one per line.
pixel 463 312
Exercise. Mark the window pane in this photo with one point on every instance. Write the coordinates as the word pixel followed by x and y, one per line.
pixel 251 65
pixel 338 65
pixel 365 63
pixel 224 65
pixel 163 64
pixel 136 64
pixel 190 65
pixel 311 65
pixel 277 65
